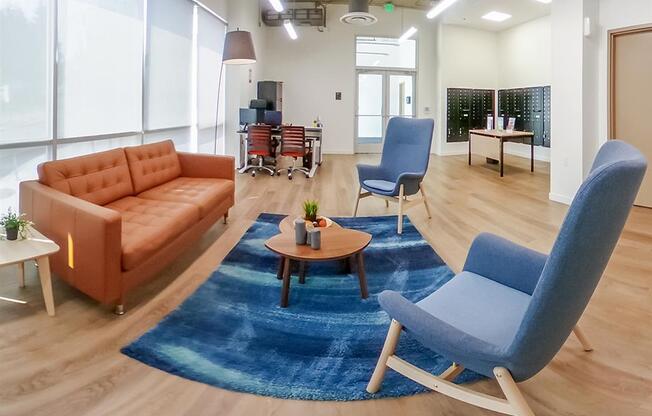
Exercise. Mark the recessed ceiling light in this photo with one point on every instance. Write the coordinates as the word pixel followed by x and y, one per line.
pixel 496 16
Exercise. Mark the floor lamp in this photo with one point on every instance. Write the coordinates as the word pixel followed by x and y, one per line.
pixel 238 50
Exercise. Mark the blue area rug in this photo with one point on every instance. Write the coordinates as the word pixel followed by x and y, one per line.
pixel 231 333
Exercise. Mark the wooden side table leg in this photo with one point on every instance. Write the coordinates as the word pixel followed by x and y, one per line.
pixel 279 273
pixel 46 283
pixel 285 292
pixel 302 272
pixel 21 274
pixel 362 276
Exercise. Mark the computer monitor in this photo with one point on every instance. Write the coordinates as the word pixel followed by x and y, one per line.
pixel 273 118
pixel 248 116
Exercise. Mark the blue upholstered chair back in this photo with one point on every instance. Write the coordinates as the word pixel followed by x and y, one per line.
pixel 579 256
pixel 407 149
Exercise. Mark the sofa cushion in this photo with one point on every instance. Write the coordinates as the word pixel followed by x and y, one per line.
pixel 98 178
pixel 205 193
pixel 148 225
pixel 152 164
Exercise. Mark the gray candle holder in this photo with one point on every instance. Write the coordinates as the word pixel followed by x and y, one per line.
pixel 300 234
pixel 315 239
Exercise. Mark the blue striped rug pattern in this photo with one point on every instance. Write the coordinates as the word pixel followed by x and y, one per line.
pixel 231 333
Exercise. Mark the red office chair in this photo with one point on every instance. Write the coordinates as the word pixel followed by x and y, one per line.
pixel 259 144
pixel 293 144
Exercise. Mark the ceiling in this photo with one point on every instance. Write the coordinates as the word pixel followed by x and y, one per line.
pixel 469 12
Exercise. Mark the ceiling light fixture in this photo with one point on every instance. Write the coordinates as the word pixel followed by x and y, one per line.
pixel 439 8
pixel 290 29
pixel 496 16
pixel 545 1
pixel 277 5
pixel 408 34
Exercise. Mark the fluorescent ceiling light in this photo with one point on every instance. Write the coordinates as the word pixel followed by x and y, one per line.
pixel 408 34
pixel 545 1
pixel 290 29
pixel 276 4
pixel 440 7
pixel 496 16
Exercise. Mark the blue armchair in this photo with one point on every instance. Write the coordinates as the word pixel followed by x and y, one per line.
pixel 402 167
pixel 511 309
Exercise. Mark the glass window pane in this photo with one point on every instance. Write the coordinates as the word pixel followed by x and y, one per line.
pixel 386 52
pixel 370 127
pixel 25 70
pixel 370 94
pixel 17 165
pixel 67 150
pixel 180 137
pixel 169 64
pixel 210 41
pixel 100 66
pixel 401 95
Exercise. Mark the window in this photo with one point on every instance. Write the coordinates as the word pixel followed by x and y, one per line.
pixel 385 53
pixel 110 91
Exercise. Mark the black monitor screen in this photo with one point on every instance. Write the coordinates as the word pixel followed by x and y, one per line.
pixel 247 116
pixel 273 118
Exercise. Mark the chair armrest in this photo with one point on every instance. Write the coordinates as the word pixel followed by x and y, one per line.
pixel 90 237
pixel 437 335
pixel 505 262
pixel 195 165
pixel 410 182
pixel 369 172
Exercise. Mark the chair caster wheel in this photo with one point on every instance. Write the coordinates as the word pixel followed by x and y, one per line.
pixel 290 177
pixel 278 173
pixel 253 175
pixel 272 174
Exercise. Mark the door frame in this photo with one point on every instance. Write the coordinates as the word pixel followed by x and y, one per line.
pixel 386 73
pixel 613 36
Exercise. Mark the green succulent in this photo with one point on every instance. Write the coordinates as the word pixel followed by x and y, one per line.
pixel 310 209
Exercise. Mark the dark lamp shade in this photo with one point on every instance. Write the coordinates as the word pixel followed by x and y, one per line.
pixel 239 48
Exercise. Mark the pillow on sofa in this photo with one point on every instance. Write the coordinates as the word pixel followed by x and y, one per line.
pixel 98 178
pixel 152 164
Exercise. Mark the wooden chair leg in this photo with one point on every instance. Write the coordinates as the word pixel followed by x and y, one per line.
pixel 401 198
pixel 425 201
pixel 21 274
pixel 357 202
pixel 452 372
pixel 389 348
pixel 512 392
pixel 581 336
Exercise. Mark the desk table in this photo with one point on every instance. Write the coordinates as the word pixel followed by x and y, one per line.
pixel 491 143
pixel 313 136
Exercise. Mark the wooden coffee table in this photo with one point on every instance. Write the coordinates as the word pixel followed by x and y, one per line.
pixel 336 243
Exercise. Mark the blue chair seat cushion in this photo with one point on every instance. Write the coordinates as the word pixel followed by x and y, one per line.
pixel 379 185
pixel 480 307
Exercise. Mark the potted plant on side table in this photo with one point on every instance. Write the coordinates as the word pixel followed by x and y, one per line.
pixel 14 225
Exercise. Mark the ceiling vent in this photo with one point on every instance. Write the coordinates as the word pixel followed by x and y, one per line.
pixel 359 14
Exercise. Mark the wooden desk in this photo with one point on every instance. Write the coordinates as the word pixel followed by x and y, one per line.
pixel 37 247
pixel 491 143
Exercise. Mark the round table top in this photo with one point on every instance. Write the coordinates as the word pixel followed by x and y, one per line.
pixel 336 243
pixel 287 225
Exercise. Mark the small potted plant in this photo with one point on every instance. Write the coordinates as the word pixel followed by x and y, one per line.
pixel 14 224
pixel 310 209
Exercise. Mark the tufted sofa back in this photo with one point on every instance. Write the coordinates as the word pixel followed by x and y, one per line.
pixel 152 164
pixel 98 178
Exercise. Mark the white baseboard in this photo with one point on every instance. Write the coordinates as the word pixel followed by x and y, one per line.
pixel 562 199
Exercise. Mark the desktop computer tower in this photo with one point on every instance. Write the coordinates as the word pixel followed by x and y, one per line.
pixel 272 93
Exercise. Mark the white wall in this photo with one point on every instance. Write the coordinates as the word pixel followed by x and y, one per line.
pixel 319 64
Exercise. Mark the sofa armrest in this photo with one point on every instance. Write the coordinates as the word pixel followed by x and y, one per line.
pixel 90 237
pixel 505 262
pixel 195 165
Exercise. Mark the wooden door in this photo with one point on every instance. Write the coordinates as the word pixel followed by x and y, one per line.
pixel 630 113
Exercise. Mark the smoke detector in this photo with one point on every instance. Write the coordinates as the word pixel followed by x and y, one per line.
pixel 359 14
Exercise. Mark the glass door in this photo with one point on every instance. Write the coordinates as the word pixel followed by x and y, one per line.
pixel 380 96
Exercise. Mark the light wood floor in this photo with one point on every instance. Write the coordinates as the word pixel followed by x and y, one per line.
pixel 71 364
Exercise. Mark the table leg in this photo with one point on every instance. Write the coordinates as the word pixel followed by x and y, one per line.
pixel 285 293
pixel 502 157
pixel 313 160
pixel 21 274
pixel 469 150
pixel 362 276
pixel 279 273
pixel 532 154
pixel 46 283
pixel 302 272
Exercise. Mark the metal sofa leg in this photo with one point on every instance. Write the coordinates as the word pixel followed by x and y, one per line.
pixel 119 309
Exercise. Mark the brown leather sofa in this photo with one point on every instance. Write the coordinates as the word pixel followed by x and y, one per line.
pixel 123 215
